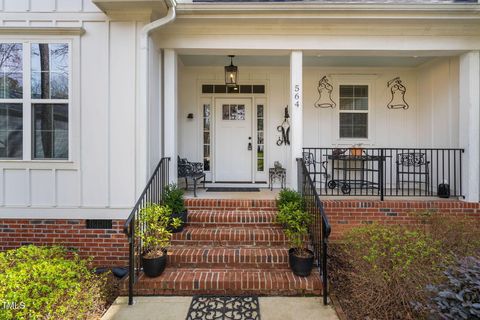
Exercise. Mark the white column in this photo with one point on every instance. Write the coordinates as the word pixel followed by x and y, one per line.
pixel 469 91
pixel 296 107
pixel 170 113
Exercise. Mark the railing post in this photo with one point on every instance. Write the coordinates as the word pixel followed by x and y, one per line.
pixel 324 266
pixel 300 176
pixel 131 272
pixel 380 173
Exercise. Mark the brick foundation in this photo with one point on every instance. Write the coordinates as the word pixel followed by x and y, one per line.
pixel 108 247
pixel 346 214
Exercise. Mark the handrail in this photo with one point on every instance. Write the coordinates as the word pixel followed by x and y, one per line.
pixel 152 193
pixel 320 229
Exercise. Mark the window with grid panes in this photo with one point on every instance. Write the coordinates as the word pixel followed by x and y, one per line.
pixel 43 100
pixel 353 111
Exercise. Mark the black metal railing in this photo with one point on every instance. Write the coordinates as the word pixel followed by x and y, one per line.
pixel 152 193
pixel 411 172
pixel 320 227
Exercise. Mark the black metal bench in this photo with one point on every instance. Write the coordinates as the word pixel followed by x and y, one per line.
pixel 192 170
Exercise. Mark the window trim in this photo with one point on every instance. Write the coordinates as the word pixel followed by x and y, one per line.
pixel 27 101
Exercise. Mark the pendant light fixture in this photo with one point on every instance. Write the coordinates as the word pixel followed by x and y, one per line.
pixel 231 73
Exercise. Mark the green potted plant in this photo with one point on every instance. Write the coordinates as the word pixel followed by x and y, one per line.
pixel 286 196
pixel 153 229
pixel 296 221
pixel 173 198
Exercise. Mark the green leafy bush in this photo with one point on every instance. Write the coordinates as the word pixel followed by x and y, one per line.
pixel 295 221
pixel 288 196
pixel 173 197
pixel 48 283
pixel 153 229
pixel 386 268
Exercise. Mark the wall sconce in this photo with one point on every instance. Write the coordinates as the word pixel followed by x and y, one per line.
pixel 231 73
pixel 190 116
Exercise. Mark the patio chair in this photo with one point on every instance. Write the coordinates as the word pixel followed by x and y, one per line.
pixel 316 167
pixel 192 170
pixel 412 168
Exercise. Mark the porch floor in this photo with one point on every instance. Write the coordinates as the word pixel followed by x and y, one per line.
pixel 267 194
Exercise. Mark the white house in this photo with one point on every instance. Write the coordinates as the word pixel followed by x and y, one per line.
pixel 94 93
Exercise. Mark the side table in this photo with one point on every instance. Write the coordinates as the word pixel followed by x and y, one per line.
pixel 277 174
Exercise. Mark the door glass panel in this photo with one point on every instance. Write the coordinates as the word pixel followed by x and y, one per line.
pixel 260 139
pixel 206 137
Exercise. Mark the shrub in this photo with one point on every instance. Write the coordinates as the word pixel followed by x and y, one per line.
pixel 386 268
pixel 173 197
pixel 287 196
pixel 295 221
pixel 48 283
pixel 460 237
pixel 153 229
pixel 459 297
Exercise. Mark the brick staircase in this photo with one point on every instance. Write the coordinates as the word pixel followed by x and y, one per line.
pixel 229 247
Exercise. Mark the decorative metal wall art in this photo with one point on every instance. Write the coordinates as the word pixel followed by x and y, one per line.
pixel 325 91
pixel 398 91
pixel 284 129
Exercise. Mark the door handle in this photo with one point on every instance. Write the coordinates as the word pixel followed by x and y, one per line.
pixel 249 146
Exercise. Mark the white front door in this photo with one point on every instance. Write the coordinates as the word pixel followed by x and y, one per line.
pixel 233 140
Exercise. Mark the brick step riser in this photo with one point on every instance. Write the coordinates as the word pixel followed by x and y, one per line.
pixel 249 225
pixel 223 292
pixel 176 282
pixel 230 243
pixel 232 218
pixel 229 258
pixel 228 265
pixel 229 204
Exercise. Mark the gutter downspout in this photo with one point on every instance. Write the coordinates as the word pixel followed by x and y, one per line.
pixel 143 149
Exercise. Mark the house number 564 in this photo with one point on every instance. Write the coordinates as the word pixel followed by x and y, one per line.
pixel 296 96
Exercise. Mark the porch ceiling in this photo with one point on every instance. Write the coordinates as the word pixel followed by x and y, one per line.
pixel 320 60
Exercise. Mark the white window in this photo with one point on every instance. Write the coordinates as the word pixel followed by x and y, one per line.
pixel 34 90
pixel 353 108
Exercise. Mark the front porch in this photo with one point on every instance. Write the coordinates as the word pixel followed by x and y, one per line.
pixel 341 132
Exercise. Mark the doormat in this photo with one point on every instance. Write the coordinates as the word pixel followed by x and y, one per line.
pixel 232 189
pixel 224 308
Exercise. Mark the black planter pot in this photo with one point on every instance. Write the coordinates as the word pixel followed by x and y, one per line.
pixel 301 266
pixel 154 267
pixel 182 216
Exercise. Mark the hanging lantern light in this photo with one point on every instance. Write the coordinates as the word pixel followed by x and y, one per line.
pixel 231 73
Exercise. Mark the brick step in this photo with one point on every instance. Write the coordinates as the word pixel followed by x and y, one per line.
pixel 206 218
pixel 227 281
pixel 230 236
pixel 229 258
pixel 229 204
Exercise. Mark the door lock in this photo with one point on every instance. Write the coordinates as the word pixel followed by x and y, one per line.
pixel 249 146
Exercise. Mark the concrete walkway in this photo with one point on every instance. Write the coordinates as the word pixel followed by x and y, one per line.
pixel 173 308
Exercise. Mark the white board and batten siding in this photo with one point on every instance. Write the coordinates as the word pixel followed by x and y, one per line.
pixel 99 178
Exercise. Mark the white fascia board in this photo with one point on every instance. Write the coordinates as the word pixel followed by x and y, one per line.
pixel 347 11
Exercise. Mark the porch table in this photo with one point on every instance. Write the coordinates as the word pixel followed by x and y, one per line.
pixel 366 169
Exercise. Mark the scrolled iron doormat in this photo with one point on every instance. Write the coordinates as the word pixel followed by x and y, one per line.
pixel 224 308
